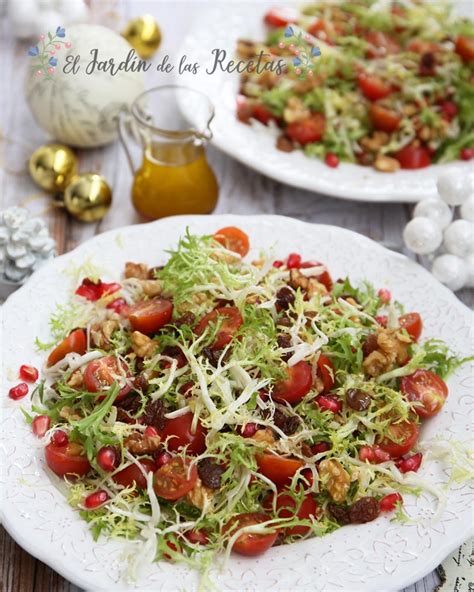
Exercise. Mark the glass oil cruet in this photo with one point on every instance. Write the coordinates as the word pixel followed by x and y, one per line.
pixel 171 124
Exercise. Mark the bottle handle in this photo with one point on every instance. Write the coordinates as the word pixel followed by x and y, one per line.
pixel 125 131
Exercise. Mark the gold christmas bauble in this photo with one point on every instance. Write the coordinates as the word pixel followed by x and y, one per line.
pixel 88 197
pixel 52 166
pixel 144 35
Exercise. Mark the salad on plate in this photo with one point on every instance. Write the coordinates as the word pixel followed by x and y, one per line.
pixel 215 404
pixel 383 84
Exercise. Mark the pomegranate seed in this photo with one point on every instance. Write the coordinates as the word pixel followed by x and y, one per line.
pixel 467 153
pixel 150 431
pixel 96 499
pixel 107 458
pixel 388 503
pixel 382 320
pixel 162 458
pixel 118 305
pixel 198 537
pixel 19 391
pixel 328 403
pixel 332 160
pixel 249 430
pixel 384 295
pixel 293 261
pixel 373 454
pixel 449 109
pixel 59 438
pixel 411 463
pixel 278 263
pixel 28 373
pixel 40 425
pixel 320 447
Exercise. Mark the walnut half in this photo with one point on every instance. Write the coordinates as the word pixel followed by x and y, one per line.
pixel 138 443
pixel 142 345
pixel 334 478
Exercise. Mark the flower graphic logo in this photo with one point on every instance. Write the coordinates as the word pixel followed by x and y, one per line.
pixel 45 52
pixel 301 46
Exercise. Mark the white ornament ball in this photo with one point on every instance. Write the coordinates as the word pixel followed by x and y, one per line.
pixel 454 186
pixel 467 209
pixel 459 238
pixel 450 270
pixel 469 263
pixel 436 210
pixel 81 109
pixel 422 236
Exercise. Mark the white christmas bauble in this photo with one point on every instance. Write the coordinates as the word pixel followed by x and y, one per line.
pixel 459 238
pixel 454 186
pixel 48 20
pixel 469 263
pixel 22 17
pixel 31 18
pixel 422 236
pixel 434 209
pixel 450 270
pixel 467 209
pixel 81 109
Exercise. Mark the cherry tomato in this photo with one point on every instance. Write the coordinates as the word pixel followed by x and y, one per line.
pixel 76 342
pixel 180 434
pixel 384 119
pixel 389 502
pixel 197 537
pixel 230 322
pixel 467 153
pixel 287 507
pixel 325 30
pixel 465 48
pixel 281 17
pixel 149 316
pixel 400 439
pixel 28 373
pixel 278 469
pixel 307 131
pixel 297 384
pixel 250 544
pixel 326 372
pixel 411 463
pixel 373 87
pixel 262 114
pixel 132 474
pixel 100 374
pixel 381 44
pixel 426 388
pixel 412 323
pixel 174 479
pixel 413 157
pixel 67 460
pixel 421 47
pixel 233 239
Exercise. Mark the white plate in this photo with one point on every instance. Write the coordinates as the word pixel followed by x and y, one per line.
pixel 254 145
pixel 378 556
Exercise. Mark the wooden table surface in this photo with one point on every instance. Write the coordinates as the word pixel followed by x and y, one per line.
pixel 242 191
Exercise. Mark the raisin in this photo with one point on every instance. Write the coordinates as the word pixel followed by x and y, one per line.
pixel 213 355
pixel 152 272
pixel 427 64
pixel 188 318
pixel 358 400
pixel 284 322
pixel 140 383
pixel 287 424
pixel 339 513
pixel 370 345
pixel 130 403
pixel 284 144
pixel 154 414
pixel 364 510
pixel 284 341
pixel 210 473
pixel 285 296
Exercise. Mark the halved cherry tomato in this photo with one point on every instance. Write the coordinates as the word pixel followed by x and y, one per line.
pixel 76 342
pixel 400 439
pixel 412 323
pixel 384 119
pixel 420 46
pixel 67 460
pixel 373 87
pixel 307 131
pixel 326 372
pixel 250 544
pixel 234 239
pixel 174 479
pixel 149 316
pixel 230 321
pixel 100 374
pixel 287 507
pixel 278 469
pixel 426 388
pixel 297 384
pixel 197 537
pixel 465 48
pixel 262 113
pixel 281 17
pixel 179 432
pixel 92 291
pixel 126 477
pixel 413 157
pixel 381 44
